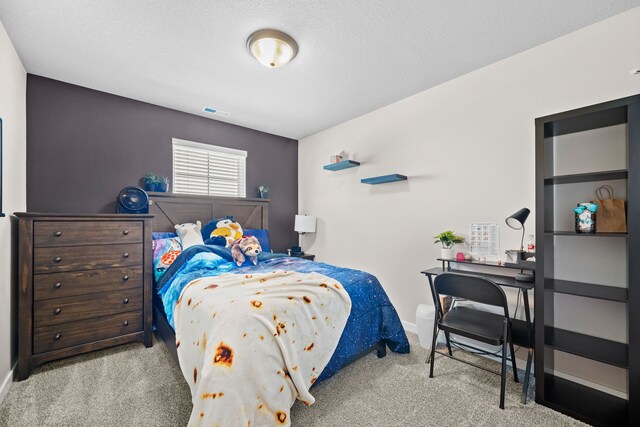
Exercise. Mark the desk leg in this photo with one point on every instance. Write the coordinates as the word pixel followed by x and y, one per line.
pixel 527 375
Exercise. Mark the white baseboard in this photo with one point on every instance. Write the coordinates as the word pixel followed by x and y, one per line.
pixel 6 383
pixel 409 327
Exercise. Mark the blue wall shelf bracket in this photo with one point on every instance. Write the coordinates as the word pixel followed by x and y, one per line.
pixel 384 179
pixel 345 164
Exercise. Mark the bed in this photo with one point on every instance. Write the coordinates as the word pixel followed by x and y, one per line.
pixel 372 323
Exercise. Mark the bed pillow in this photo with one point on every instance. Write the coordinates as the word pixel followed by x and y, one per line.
pixel 189 234
pixel 212 225
pixel 224 228
pixel 261 235
pixel 163 235
pixel 165 252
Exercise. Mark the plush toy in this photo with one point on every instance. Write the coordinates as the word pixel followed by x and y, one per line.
pixel 246 247
pixel 229 229
pixel 189 234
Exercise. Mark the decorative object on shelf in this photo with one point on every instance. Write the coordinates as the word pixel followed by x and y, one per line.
pixel 612 217
pixel 336 158
pixel 585 215
pixel 468 257
pixel 263 191
pixel 345 164
pixel 162 184
pixel 447 239
pixel 531 244
pixel 272 48
pixel 132 200
pixel 459 256
pixel 383 179
pixel 512 255
pixel 484 239
pixel 305 224
pixel 151 181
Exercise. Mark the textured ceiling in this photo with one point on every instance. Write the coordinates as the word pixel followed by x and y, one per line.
pixel 355 55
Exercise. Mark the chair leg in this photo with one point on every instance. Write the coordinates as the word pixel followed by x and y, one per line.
pixel 446 335
pixel 433 348
pixel 503 371
pixel 527 375
pixel 513 358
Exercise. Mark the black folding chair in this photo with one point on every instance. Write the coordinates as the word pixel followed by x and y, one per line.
pixel 489 328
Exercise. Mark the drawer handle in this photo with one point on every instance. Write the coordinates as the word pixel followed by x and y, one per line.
pixel 125 232
pixel 126 300
pixel 57 311
pixel 125 278
pixel 57 285
pixel 57 259
pixel 125 323
pixel 125 255
pixel 57 234
pixel 57 336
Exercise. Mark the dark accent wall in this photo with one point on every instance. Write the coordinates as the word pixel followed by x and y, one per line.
pixel 84 146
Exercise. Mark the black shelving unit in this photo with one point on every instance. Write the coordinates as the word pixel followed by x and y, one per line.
pixel 554 389
pixel 609 293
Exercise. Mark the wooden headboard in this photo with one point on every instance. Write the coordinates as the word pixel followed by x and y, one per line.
pixel 170 209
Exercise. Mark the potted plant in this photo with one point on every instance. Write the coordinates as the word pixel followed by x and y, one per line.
pixel 447 239
pixel 151 181
pixel 263 191
pixel 162 184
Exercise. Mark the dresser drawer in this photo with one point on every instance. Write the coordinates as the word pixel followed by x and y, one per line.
pixel 54 337
pixel 67 233
pixel 60 285
pixel 61 310
pixel 50 260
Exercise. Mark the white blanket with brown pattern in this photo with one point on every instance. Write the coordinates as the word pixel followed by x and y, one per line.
pixel 249 345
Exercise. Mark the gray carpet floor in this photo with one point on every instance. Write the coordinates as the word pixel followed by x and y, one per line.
pixel 134 386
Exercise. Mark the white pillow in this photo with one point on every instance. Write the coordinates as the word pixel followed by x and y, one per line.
pixel 189 234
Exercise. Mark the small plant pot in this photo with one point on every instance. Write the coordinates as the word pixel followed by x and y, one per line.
pixel 263 194
pixel 150 186
pixel 162 187
pixel 446 253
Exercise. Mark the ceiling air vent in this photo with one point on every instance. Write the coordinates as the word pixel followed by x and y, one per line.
pixel 215 111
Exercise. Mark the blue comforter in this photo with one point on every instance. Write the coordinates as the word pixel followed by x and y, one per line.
pixel 373 318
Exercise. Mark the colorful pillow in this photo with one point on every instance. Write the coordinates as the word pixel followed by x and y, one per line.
pixel 165 252
pixel 163 235
pixel 262 236
pixel 225 228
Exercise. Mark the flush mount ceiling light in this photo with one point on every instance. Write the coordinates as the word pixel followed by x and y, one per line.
pixel 272 48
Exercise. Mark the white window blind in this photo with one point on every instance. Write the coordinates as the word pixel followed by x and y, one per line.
pixel 208 170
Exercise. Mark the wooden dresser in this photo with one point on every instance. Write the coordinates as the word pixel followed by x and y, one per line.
pixel 85 283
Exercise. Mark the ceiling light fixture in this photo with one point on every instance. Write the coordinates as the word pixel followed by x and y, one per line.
pixel 272 48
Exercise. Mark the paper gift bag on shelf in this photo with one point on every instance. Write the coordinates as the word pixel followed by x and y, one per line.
pixel 611 215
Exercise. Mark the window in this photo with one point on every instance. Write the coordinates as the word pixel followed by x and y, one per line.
pixel 208 169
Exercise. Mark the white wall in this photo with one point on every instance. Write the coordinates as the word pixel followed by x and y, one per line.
pixel 13 113
pixel 468 148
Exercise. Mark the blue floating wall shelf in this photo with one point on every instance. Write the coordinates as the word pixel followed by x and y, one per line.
pixel 345 164
pixel 384 179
